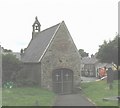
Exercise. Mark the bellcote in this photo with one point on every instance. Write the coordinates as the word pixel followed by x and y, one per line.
pixel 36 27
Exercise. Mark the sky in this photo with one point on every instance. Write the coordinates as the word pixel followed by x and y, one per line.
pixel 89 22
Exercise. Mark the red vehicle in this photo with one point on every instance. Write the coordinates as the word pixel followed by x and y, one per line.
pixel 101 72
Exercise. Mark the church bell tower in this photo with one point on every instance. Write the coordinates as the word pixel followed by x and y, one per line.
pixel 36 28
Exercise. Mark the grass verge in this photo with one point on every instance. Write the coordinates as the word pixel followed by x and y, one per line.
pixel 98 90
pixel 27 97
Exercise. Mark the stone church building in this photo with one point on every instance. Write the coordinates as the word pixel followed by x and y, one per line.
pixel 52 59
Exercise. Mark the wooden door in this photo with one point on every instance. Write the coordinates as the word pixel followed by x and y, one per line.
pixel 62 81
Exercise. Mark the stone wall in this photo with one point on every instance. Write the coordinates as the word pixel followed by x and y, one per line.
pixel 31 72
pixel 62 53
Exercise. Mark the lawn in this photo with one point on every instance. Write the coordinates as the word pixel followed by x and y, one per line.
pixel 27 97
pixel 98 90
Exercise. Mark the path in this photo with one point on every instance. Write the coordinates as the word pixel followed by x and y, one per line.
pixel 72 100
pixel 88 79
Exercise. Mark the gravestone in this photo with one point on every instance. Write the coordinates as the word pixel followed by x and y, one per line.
pixel 110 77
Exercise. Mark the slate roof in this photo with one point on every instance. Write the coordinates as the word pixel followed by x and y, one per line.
pixel 88 60
pixel 38 45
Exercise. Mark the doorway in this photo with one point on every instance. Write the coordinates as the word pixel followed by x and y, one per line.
pixel 62 81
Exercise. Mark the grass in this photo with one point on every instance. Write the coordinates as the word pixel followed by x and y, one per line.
pixel 27 97
pixel 96 91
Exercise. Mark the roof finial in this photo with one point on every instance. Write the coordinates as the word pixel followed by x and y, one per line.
pixel 36 18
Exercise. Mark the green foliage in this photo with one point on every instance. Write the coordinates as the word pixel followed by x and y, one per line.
pixel 6 50
pixel 10 66
pixel 108 51
pixel 8 85
pixel 83 53
pixel 27 97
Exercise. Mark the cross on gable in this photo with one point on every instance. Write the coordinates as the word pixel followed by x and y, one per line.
pixel 67 76
pixel 57 76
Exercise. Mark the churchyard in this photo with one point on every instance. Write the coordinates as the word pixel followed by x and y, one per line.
pixel 98 91
pixel 32 96
pixel 49 66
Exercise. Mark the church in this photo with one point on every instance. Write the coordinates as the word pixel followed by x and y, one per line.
pixel 51 59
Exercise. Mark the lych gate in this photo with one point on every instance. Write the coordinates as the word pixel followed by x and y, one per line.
pixel 62 81
pixel 51 59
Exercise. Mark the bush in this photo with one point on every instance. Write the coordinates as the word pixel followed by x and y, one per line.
pixel 8 84
pixel 10 65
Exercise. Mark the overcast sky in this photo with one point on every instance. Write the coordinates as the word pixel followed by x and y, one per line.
pixel 89 22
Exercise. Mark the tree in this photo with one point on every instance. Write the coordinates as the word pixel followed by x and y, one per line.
pixel 10 66
pixel 6 50
pixel 82 53
pixel 108 51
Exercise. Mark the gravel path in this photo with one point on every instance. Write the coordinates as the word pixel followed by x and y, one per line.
pixel 72 100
